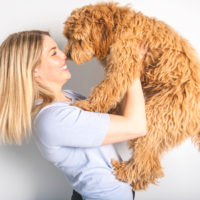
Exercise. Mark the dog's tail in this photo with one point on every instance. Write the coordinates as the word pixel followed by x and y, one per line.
pixel 194 64
pixel 193 56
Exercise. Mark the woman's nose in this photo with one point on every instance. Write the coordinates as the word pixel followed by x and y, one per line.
pixel 63 55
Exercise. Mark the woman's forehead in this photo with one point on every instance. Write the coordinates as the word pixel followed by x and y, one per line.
pixel 48 44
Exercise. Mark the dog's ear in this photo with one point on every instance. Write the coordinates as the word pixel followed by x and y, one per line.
pixel 102 36
pixel 81 31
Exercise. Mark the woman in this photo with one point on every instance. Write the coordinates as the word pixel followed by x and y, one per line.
pixel 32 73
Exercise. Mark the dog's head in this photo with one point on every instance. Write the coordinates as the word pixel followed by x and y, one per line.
pixel 89 32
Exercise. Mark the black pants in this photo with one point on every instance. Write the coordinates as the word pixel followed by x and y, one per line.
pixel 77 196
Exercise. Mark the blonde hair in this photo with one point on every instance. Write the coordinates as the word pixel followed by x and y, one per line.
pixel 19 55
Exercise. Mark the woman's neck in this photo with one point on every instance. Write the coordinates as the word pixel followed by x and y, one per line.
pixel 61 97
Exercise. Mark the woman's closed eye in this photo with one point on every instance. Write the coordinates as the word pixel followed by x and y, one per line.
pixel 54 53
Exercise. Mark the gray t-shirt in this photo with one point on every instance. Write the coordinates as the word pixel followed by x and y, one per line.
pixel 70 138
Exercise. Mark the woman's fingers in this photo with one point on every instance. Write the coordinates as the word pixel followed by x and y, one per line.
pixel 142 50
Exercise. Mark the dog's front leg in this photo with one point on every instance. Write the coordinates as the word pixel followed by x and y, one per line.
pixel 121 66
pixel 107 94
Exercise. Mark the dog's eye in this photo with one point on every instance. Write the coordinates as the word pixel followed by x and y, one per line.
pixel 80 41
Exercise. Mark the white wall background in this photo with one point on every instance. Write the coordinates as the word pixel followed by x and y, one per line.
pixel 24 174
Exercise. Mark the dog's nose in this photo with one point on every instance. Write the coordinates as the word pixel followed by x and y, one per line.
pixel 68 55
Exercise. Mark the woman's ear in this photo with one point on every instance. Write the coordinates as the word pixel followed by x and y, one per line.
pixel 36 73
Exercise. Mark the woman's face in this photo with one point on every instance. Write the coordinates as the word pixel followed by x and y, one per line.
pixel 52 70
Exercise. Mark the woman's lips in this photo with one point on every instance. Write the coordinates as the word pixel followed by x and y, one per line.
pixel 64 68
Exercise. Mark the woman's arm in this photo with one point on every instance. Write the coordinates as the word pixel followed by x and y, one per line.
pixel 64 125
pixel 132 123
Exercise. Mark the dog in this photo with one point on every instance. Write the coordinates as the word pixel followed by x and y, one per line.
pixel 170 76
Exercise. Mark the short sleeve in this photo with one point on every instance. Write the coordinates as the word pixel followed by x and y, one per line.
pixel 75 94
pixel 65 125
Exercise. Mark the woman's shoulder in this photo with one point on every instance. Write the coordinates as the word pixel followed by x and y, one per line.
pixel 54 109
pixel 74 94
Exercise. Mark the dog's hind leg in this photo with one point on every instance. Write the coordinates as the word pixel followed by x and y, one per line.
pixel 144 167
pixel 167 127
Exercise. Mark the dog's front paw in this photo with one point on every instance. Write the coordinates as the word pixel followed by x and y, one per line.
pixel 83 104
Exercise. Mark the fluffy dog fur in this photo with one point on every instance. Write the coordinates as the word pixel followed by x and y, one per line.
pixel 170 77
